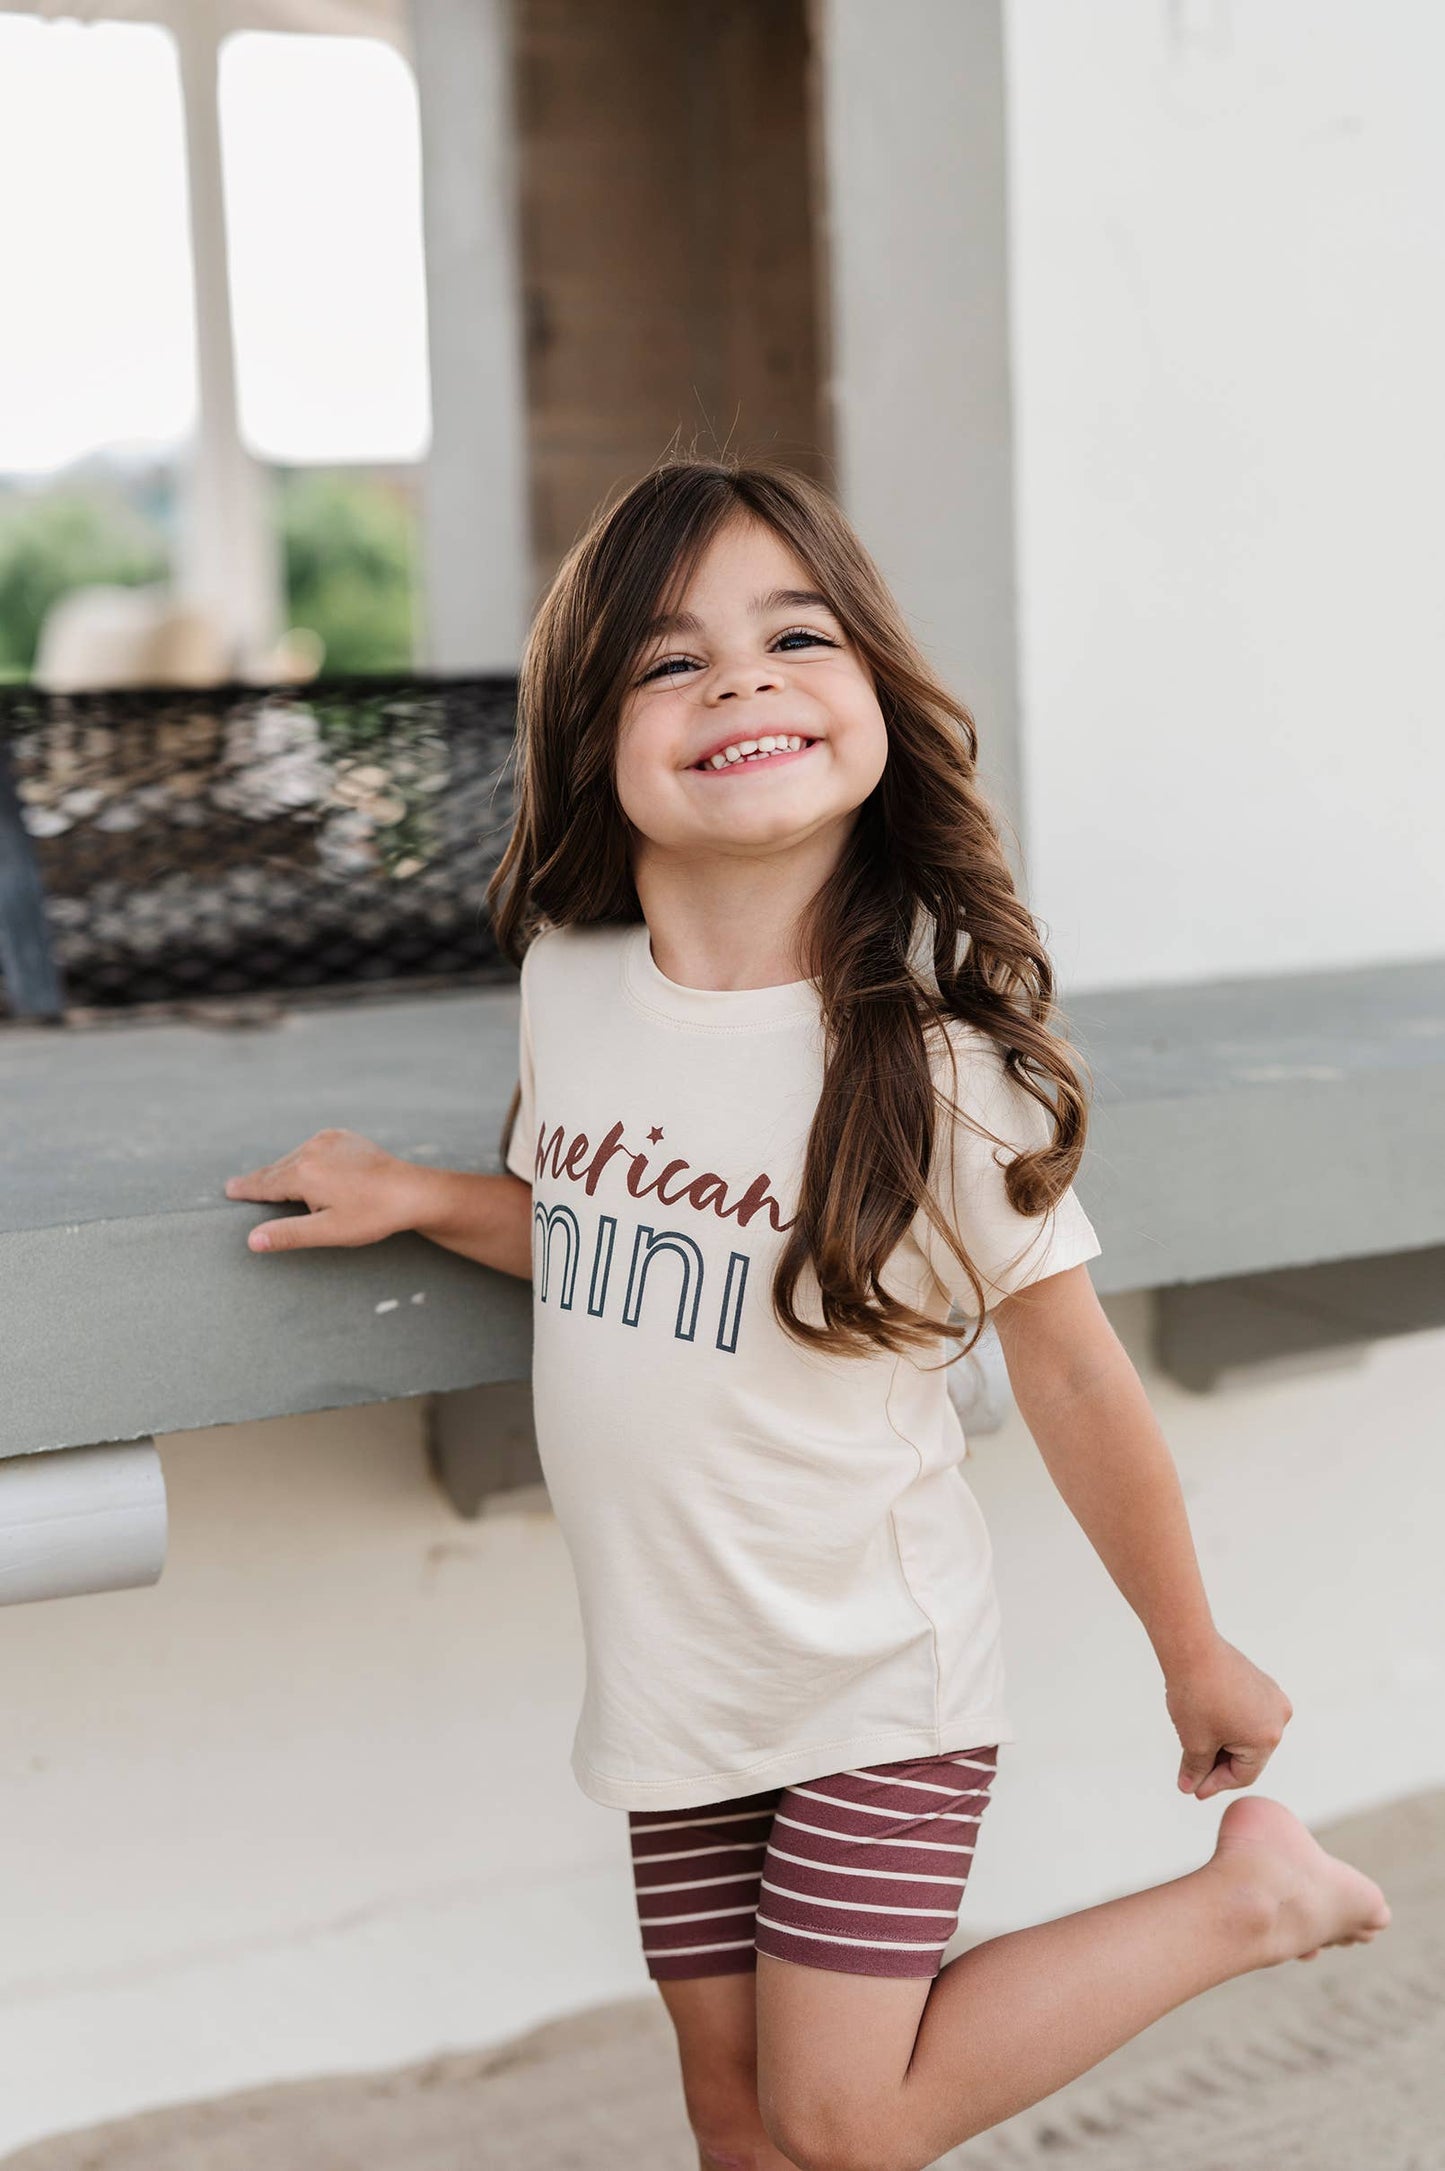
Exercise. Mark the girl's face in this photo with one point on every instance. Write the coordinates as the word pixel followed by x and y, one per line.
pixel 754 655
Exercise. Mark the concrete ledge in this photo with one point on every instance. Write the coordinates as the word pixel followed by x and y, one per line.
pixel 1297 1318
pixel 482 1444
pixel 1245 1125
pixel 130 1302
pixel 1239 1128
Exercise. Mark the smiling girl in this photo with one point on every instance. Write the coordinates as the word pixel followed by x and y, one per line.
pixel 793 1092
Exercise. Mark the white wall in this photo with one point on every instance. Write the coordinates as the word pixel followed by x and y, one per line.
pixel 1305 1497
pixel 305 1806
pixel 1228 287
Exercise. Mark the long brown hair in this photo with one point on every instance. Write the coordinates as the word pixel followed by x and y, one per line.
pixel 924 849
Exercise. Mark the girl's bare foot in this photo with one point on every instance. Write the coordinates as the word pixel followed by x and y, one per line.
pixel 1306 1898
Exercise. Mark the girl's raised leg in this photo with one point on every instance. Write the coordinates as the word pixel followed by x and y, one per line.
pixel 872 2073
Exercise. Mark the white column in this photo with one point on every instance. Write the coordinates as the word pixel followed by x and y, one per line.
pixel 911 117
pixel 230 551
pixel 476 533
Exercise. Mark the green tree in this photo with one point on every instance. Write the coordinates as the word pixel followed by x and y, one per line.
pixel 348 542
pixel 349 545
pixel 56 540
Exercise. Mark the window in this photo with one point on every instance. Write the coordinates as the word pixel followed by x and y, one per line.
pixel 321 152
pixel 95 268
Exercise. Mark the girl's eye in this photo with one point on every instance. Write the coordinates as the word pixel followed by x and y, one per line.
pixel 663 669
pixel 670 664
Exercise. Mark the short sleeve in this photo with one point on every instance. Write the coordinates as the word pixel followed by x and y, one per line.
pixel 522 1145
pixel 1008 1249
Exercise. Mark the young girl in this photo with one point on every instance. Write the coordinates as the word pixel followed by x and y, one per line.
pixel 791 1091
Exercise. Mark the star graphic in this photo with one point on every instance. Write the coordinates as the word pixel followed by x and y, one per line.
pixel 654 1134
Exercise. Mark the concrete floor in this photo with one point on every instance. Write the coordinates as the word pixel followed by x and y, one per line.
pixel 1327 2068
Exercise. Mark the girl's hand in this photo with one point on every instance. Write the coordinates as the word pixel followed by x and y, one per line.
pixel 357 1193
pixel 1229 1717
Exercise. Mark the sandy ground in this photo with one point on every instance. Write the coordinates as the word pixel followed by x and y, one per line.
pixel 1338 2066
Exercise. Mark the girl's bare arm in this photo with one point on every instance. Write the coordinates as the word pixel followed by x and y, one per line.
pixel 1087 1410
pixel 487 1218
pixel 359 1193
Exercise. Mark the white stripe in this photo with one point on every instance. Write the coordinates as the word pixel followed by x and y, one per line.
pixel 854 1907
pixel 867 1809
pixel 880 1839
pixel 966 1763
pixel 830 1937
pixel 686 1854
pixel 926 1785
pixel 687 1824
pixel 838 1869
pixel 704 1914
pixel 675 1952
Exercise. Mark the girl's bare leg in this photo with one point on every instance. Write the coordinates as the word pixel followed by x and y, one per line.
pixel 715 2017
pixel 871 2073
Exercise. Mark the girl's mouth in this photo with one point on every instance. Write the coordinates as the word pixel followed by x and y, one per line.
pixel 770 749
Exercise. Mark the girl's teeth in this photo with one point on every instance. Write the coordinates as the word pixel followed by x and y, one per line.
pixel 755 750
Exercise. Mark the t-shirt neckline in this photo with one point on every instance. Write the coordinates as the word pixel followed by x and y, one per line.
pixel 724 1008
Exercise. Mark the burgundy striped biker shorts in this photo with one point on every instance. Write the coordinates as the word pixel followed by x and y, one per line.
pixel 862 1871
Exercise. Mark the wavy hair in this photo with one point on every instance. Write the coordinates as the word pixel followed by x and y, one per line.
pixel 924 852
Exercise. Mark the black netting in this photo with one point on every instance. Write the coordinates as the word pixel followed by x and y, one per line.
pixel 243 840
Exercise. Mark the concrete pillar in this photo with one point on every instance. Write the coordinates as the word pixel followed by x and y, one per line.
pixel 910 111
pixel 230 554
pixel 476 556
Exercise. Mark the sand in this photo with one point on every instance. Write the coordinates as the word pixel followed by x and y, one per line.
pixel 1334 2066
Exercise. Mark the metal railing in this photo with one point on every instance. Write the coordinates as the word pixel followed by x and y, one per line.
pixel 163 846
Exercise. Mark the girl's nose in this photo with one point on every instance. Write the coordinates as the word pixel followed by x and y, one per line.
pixel 745 679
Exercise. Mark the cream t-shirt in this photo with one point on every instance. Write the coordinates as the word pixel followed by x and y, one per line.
pixel 780 1567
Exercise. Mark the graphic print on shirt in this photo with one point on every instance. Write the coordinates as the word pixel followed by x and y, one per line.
pixel 668 1256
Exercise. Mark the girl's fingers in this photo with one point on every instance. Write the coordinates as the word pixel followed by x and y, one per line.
pixel 1236 1768
pixel 276 1181
pixel 260 1186
pixel 297 1232
pixel 1196 1765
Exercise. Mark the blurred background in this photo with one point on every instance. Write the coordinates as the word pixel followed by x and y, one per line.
pixel 215 379
pixel 1119 331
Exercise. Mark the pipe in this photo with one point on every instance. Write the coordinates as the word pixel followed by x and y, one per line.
pixel 81 1519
